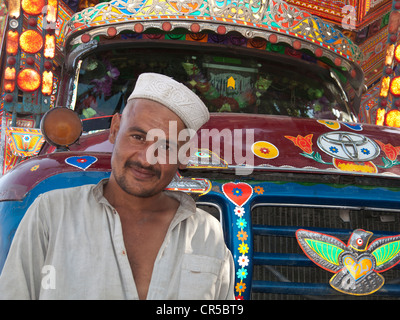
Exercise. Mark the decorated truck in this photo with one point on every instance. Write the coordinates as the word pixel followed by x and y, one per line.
pixel 308 196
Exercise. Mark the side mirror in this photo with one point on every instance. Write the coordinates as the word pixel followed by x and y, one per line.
pixel 61 127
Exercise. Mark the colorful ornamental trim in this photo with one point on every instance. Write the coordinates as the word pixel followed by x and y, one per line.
pixel 81 162
pixel 357 265
pixel 24 142
pixel 239 195
pixel 351 152
pixel 273 15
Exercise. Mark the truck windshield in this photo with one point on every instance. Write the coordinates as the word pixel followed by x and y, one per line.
pixel 226 82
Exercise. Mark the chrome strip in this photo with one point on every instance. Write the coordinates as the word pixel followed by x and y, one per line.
pixel 322 206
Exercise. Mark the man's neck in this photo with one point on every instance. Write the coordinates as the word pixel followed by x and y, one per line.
pixel 122 201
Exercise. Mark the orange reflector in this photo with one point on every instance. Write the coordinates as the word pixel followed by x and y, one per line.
pixel 9 86
pixel 33 7
pixel 385 87
pixel 380 116
pixel 12 42
pixel 83 4
pixel 52 11
pixel 397 53
pixel 395 86
pixel 14 8
pixel 49 46
pixel 47 82
pixel 61 127
pixel 31 41
pixel 28 80
pixel 389 55
pixel 393 118
pixel 9 79
pixel 9 73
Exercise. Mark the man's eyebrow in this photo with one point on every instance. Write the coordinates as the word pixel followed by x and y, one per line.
pixel 138 129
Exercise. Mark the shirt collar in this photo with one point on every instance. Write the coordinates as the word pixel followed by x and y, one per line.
pixel 98 192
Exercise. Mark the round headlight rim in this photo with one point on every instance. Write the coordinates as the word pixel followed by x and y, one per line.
pixel 54 142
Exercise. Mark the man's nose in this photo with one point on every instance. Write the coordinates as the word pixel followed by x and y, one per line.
pixel 148 156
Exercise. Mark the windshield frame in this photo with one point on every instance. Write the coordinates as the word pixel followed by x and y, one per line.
pixel 103 44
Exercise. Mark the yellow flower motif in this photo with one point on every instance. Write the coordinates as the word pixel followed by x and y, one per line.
pixel 243 248
pixel 34 168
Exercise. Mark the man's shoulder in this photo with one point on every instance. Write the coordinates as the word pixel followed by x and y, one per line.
pixel 206 217
pixel 69 191
pixel 191 211
pixel 206 234
pixel 56 205
pixel 65 198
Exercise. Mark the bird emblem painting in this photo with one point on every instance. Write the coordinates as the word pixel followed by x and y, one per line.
pixel 357 265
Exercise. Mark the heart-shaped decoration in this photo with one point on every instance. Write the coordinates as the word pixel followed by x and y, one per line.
pixel 358 268
pixel 237 193
pixel 81 162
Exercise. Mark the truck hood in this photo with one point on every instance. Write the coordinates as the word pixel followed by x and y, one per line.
pixel 279 143
pixel 238 143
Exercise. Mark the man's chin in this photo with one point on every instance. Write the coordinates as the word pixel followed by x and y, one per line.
pixel 140 189
pixel 144 193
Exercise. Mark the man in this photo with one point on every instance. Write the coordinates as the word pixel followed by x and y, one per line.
pixel 126 238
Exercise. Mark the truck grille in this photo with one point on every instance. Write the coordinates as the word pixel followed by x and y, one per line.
pixel 282 271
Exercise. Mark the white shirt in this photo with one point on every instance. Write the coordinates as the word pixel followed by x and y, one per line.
pixel 69 245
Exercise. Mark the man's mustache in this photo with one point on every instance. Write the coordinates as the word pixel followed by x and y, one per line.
pixel 138 165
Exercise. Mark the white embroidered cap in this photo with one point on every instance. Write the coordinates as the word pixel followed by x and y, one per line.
pixel 174 95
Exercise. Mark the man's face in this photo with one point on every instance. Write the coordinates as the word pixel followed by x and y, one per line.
pixel 132 162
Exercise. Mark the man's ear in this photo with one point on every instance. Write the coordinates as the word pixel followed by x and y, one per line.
pixel 115 124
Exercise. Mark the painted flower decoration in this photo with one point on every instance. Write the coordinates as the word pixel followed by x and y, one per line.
pixel 242 273
pixel 243 248
pixel 390 151
pixel 239 211
pixel 365 151
pixel 240 287
pixel 241 223
pixel 304 143
pixel 243 261
pixel 258 190
pixel 237 192
pixel 333 149
pixel 242 235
